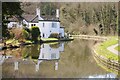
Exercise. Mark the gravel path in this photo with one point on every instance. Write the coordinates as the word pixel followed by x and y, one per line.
pixel 113 50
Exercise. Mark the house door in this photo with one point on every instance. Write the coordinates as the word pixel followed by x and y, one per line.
pixel 43 35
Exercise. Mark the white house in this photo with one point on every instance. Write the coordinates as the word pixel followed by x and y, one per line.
pixel 14 21
pixel 47 25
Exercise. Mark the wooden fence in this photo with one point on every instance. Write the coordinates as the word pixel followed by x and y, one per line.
pixel 89 37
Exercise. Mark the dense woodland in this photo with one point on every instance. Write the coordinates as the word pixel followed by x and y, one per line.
pixel 86 18
pixel 80 18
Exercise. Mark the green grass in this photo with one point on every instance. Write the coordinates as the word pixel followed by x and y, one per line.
pixel 48 39
pixel 28 41
pixel 117 48
pixel 102 49
pixel 16 42
pixel 12 41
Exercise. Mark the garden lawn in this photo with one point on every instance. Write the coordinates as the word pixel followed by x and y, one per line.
pixel 28 41
pixel 12 41
pixel 49 39
pixel 101 49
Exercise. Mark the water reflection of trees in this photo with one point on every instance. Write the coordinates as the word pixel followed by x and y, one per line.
pixel 31 51
pixel 35 51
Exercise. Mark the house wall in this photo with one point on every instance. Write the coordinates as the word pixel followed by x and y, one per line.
pixel 30 24
pixel 25 22
pixel 48 27
pixel 61 32
pixel 14 24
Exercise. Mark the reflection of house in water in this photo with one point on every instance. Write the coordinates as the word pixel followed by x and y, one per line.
pixel 47 52
pixel 3 58
pixel 50 52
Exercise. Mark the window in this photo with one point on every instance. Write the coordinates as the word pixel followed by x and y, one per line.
pixel 14 25
pixel 43 55
pixel 33 24
pixel 43 24
pixel 53 56
pixel 54 25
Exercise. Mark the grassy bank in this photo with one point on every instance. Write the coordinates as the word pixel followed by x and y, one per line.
pixel 101 49
pixel 117 48
pixel 16 42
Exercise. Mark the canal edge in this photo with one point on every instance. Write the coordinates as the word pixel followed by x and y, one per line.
pixel 108 64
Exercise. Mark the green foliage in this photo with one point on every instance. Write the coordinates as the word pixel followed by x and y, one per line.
pixel 54 35
pixel 11 35
pixel 34 54
pixel 49 39
pixel 26 51
pixel 35 33
pixel 47 8
pixel 9 9
pixel 25 34
pixel 102 49
pixel 117 48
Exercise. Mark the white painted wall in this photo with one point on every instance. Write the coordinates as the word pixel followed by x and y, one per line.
pixel 48 27
pixel 61 32
pixel 30 24
pixel 15 24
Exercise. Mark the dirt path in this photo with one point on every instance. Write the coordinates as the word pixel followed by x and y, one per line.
pixel 113 50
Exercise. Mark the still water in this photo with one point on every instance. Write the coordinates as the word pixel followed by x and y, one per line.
pixel 53 60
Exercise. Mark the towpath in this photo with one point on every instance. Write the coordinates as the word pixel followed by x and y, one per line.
pixel 113 50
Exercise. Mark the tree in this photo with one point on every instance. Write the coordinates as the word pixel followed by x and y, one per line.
pixel 25 34
pixel 47 8
pixel 35 33
pixel 9 9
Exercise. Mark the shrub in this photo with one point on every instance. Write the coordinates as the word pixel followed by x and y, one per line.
pixel 25 34
pixel 16 33
pixel 35 33
pixel 54 35
pixel 11 35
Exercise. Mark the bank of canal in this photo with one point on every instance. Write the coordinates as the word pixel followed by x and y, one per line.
pixel 104 56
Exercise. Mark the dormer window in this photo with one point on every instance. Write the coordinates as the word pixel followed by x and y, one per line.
pixel 33 24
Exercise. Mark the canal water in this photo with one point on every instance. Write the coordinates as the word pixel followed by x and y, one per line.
pixel 53 60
